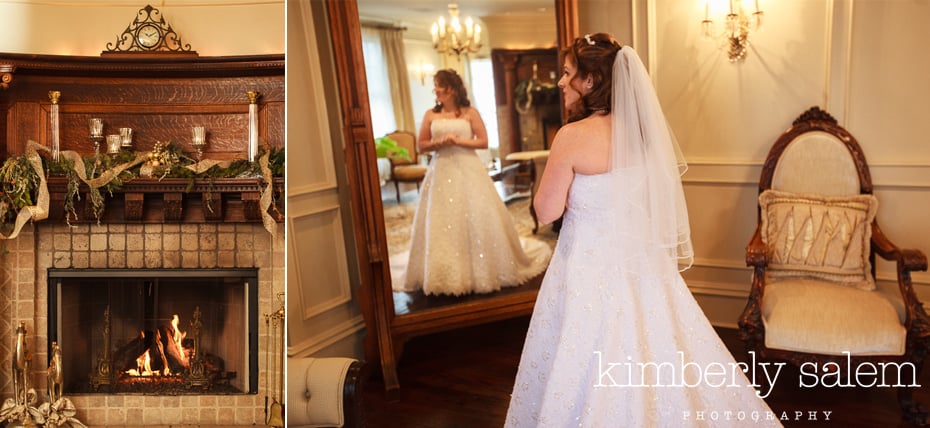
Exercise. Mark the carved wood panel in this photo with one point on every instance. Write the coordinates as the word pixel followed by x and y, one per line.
pixel 159 98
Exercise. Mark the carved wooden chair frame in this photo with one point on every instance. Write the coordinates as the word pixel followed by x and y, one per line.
pixel 917 323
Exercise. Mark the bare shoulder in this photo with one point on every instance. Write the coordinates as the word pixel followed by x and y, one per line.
pixel 584 144
pixel 470 112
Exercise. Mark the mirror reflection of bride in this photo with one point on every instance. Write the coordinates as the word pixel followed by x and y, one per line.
pixel 506 24
pixel 394 317
pixel 463 238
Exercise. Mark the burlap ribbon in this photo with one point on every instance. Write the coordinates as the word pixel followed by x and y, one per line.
pixel 39 211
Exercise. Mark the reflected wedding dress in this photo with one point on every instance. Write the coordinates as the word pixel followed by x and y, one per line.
pixel 463 239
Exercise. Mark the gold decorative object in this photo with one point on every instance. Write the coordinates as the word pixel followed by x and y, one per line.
pixel 196 376
pixel 18 410
pixel 253 124
pixel 6 75
pixel 103 375
pixel 453 37
pixel 149 32
pixel 160 159
pixel 274 411
pixel 739 24
pixel 21 362
pixel 53 123
pixel 55 377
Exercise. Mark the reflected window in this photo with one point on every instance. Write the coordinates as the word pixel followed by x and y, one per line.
pixel 379 87
pixel 482 78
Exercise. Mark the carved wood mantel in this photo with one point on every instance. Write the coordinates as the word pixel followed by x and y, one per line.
pixel 161 96
pixel 172 200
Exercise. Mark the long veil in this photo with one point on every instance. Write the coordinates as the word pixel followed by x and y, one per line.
pixel 650 192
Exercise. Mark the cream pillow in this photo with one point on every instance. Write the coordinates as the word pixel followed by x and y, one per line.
pixel 818 237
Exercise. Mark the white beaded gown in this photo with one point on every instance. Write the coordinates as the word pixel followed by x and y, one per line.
pixel 463 239
pixel 602 315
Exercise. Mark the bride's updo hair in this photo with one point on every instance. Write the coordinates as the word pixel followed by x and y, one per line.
pixel 593 55
pixel 448 78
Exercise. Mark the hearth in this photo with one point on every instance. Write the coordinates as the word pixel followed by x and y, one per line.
pixel 155 331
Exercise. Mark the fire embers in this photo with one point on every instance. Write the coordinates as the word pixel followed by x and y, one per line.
pixel 163 355
pixel 166 360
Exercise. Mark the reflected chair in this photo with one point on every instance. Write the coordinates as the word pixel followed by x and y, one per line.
pixel 406 170
pixel 814 301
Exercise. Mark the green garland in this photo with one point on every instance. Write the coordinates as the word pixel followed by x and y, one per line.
pixel 19 181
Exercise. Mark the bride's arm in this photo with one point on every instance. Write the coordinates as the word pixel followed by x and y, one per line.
pixel 425 141
pixel 480 138
pixel 552 195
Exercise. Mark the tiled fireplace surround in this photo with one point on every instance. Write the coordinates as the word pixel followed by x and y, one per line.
pixel 24 263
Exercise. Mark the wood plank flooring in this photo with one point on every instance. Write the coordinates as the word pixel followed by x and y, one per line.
pixel 463 378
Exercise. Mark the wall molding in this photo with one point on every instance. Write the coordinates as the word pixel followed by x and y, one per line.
pixel 328 337
pixel 344 288
pixel 739 172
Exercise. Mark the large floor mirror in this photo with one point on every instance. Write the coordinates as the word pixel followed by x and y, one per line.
pixel 394 317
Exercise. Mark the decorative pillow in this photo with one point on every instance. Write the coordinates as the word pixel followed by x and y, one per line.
pixel 818 237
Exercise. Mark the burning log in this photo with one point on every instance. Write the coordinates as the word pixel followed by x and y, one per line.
pixel 174 352
pixel 125 357
pixel 157 356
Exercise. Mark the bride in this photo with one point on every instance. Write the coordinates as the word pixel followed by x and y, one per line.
pixel 463 239
pixel 616 338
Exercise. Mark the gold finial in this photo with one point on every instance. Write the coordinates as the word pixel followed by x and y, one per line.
pixel 253 96
pixel 53 95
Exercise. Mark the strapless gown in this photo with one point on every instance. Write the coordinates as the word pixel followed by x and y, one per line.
pixel 602 317
pixel 463 239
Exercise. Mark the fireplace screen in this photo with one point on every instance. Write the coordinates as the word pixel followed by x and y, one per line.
pixel 156 331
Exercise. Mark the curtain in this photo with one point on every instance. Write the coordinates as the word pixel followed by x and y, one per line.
pixel 392 45
pixel 380 97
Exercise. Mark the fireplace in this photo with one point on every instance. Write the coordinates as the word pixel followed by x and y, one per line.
pixel 155 331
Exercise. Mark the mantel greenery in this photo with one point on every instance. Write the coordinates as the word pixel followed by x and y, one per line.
pixel 104 173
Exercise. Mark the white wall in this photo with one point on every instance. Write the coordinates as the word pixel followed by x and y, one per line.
pixel 211 27
pixel 859 60
pixel 323 318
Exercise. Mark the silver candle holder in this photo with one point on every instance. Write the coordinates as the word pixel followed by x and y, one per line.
pixel 96 133
pixel 199 140
pixel 114 142
pixel 125 138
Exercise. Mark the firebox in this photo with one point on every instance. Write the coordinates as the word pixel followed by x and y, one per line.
pixel 155 331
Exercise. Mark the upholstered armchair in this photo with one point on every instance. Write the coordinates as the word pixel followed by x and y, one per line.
pixel 324 392
pixel 406 170
pixel 814 299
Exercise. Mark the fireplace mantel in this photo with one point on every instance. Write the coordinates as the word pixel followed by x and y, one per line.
pixel 172 200
pixel 159 97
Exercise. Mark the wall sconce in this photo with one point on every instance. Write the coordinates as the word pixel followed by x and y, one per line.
pixel 423 70
pixel 738 27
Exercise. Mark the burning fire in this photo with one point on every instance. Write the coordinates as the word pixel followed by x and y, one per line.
pixel 175 348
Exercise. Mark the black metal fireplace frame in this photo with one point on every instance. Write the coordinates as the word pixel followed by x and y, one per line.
pixel 248 275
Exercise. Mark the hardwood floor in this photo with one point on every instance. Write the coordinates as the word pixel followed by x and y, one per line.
pixel 463 378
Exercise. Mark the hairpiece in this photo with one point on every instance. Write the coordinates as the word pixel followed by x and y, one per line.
pixel 588 38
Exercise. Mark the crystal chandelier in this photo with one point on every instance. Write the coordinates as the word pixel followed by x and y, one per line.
pixel 453 37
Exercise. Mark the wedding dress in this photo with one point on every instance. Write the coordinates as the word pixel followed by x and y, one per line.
pixel 463 239
pixel 597 306
pixel 616 338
